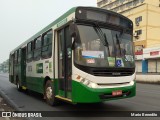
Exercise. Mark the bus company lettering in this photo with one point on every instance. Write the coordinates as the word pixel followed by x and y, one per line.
pixel 116 73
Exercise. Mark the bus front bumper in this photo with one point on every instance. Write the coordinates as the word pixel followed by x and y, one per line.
pixel 84 94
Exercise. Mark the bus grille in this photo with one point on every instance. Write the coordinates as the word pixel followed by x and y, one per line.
pixel 113 72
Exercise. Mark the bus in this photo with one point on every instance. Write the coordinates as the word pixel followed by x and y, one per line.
pixel 84 56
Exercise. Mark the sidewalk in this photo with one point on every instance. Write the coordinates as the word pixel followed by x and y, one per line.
pixel 148 78
pixel 4 106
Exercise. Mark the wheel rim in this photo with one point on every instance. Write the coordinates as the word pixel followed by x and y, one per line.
pixel 49 92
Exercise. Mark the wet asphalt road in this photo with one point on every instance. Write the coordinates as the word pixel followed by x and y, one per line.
pixel 147 99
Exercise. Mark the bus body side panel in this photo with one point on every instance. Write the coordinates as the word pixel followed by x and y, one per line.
pixel 23 67
pixel 17 73
pixel 59 92
pixel 35 84
pixel 35 81
pixel 11 78
pixel 37 71
pixel 35 75
pixel 84 94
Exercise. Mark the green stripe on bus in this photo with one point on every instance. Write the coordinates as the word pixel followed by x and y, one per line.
pixel 80 93
pixel 84 94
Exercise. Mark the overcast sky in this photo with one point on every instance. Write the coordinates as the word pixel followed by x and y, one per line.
pixel 20 19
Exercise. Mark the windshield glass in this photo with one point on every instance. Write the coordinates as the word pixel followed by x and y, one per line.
pixel 90 49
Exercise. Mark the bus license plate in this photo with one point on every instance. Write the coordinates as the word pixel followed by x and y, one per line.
pixel 117 93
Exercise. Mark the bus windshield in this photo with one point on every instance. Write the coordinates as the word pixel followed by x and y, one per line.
pixel 109 49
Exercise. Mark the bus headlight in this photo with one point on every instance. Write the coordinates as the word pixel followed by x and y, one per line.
pixel 132 82
pixel 93 85
pixel 89 83
pixel 86 82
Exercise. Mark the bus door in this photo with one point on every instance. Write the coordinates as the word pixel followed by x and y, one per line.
pixel 23 66
pixel 64 63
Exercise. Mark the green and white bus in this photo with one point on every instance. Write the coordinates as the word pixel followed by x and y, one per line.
pixel 84 56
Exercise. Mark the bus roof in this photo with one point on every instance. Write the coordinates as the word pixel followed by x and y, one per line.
pixel 46 28
pixel 72 10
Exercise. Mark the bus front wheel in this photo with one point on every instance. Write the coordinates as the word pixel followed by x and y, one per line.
pixel 50 94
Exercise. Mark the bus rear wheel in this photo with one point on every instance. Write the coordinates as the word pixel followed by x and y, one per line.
pixel 50 94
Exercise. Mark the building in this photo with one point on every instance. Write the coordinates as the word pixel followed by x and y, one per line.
pixel 145 15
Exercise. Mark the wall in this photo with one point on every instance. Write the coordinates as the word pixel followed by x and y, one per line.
pixel 153 28
pixel 134 13
pixel 150 2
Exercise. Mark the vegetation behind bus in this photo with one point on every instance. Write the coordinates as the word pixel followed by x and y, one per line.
pixel 4 66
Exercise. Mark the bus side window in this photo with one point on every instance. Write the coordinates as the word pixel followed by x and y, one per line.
pixel 19 56
pixel 47 45
pixel 11 62
pixel 15 57
pixel 29 52
pixel 37 48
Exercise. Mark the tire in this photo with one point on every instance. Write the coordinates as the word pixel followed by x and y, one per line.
pixel 50 94
pixel 19 88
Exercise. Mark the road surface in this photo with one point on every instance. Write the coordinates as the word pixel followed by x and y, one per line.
pixel 147 99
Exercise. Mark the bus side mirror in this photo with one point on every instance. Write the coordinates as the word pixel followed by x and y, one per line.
pixel 73 43
pixel 72 28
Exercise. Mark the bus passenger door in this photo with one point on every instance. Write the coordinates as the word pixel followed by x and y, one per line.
pixel 64 63
pixel 23 67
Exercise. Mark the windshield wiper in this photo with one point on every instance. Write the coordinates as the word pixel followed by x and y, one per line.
pixel 105 38
pixel 100 34
pixel 118 43
pixel 102 37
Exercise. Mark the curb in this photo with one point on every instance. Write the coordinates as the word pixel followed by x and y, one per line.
pixel 6 118
pixel 148 82
pixel 11 103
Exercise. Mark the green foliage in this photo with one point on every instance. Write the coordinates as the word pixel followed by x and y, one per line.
pixel 4 67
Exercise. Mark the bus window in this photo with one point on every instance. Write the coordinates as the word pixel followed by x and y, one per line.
pixel 19 56
pixel 47 45
pixel 29 52
pixel 37 48
pixel 15 58
pixel 11 61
